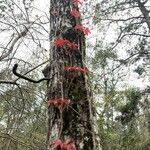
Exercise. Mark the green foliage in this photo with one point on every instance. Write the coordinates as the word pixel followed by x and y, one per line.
pixel 120 129
pixel 129 110
pixel 123 111
pixel 102 56
pixel 23 114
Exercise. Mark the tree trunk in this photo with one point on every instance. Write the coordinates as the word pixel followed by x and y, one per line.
pixel 70 107
pixel 145 13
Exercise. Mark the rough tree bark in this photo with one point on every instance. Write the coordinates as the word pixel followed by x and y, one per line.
pixel 70 107
pixel 145 13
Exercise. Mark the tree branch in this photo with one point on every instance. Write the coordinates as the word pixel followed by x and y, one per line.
pixel 22 34
pixel 8 82
pixel 145 13
pixel 26 78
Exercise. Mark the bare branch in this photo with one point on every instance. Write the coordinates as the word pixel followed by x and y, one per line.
pixel 8 82
pixel 22 34
pixel 26 78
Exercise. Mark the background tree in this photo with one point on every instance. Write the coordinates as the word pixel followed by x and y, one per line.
pixel 128 25
pixel 24 38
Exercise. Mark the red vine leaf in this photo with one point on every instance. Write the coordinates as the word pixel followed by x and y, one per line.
pixel 66 145
pixel 78 69
pixel 56 101
pixel 62 42
pixel 71 45
pixel 56 144
pixel 59 42
pixel 75 13
pixel 59 103
pixel 83 29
